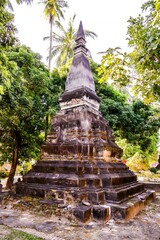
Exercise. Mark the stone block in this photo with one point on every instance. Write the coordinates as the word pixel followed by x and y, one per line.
pixel 130 208
pixel 101 213
pixel 121 193
pixel 116 196
pixel 152 185
pixel 106 181
pixel 121 179
pixel 82 213
pixel 96 197
pixel 93 182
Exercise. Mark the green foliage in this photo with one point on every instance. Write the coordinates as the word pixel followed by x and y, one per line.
pixel 6 67
pixel 143 36
pixel 137 163
pixel 7 40
pixel 129 149
pixel 7 29
pixel 153 170
pixel 113 67
pixel 134 124
pixel 135 157
pixel 24 104
pixel 27 97
pixel 25 167
pixel 54 8
pixel 157 12
pixel 140 68
pixel 55 88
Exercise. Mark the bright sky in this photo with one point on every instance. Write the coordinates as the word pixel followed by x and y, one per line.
pixel 107 18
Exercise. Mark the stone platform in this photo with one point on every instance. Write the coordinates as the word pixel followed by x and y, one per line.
pixel 94 182
pixel 112 185
pixel 152 185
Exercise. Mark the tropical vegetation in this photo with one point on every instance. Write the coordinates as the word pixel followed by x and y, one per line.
pixel 140 67
pixel 29 92
pixel 53 9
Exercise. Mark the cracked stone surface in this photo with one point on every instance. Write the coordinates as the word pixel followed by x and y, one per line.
pixel 145 226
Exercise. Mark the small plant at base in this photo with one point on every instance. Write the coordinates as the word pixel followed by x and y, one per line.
pixel 153 170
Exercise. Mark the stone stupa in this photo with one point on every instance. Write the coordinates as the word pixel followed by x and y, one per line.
pixel 80 160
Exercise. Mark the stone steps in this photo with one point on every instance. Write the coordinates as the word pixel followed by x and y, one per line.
pixel 115 180
pixel 129 208
pixel 49 191
pixel 79 167
pixel 124 211
pixel 82 180
pixel 89 193
pixel 122 193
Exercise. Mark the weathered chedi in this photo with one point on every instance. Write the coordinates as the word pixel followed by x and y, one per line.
pixel 80 160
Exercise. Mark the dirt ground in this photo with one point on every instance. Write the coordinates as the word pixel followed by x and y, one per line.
pixel 52 224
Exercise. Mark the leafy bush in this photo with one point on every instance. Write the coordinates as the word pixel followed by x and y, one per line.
pixel 137 163
pixel 25 167
pixel 153 170
pixel 129 149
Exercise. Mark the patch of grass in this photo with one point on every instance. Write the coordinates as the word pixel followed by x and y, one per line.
pixel 19 235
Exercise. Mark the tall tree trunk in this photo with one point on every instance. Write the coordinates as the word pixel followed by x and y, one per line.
pixel 50 46
pixel 49 64
pixel 46 128
pixel 14 163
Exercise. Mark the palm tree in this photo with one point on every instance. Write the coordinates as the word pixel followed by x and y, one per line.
pixel 9 3
pixel 65 41
pixel 24 1
pixel 53 9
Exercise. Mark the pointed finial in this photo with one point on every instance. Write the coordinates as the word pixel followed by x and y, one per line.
pixel 80 83
pixel 80 33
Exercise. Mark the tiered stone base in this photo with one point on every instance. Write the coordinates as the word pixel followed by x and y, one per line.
pixel 98 183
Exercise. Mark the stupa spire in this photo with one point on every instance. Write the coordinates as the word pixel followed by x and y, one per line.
pixel 80 33
pixel 80 84
pixel 80 41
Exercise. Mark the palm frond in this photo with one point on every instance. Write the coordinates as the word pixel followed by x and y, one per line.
pixel 9 5
pixel 64 41
pixel 24 1
pixel 90 34
pixel 59 26
pixel 54 51
pixel 46 38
